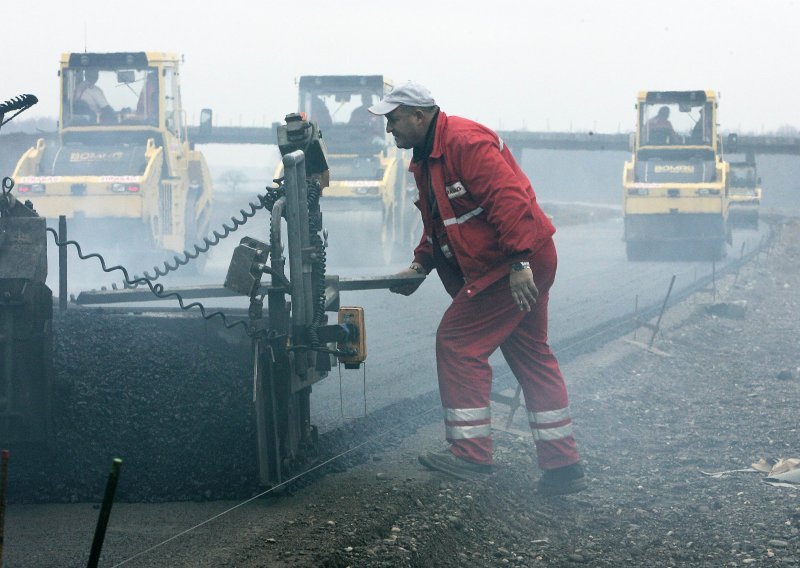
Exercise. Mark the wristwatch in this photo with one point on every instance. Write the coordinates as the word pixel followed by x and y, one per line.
pixel 519 266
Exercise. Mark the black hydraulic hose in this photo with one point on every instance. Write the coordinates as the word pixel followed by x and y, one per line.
pixel 156 289
pixel 208 242
pixel 265 201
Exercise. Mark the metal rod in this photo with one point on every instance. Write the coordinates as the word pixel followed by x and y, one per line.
pixel 514 404
pixel 62 265
pixel 663 307
pixel 276 300
pixel 268 444
pixel 294 204
pixel 293 207
pixel 3 487
pixel 365 387
pixel 714 282
pixel 105 513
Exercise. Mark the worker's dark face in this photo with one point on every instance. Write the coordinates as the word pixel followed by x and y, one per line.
pixel 408 126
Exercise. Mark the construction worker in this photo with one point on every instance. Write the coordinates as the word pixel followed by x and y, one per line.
pixel 492 247
pixel 659 128
pixel 92 99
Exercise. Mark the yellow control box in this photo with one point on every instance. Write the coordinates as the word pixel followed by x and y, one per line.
pixel 358 344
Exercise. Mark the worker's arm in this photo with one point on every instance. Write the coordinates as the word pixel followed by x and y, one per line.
pixel 407 289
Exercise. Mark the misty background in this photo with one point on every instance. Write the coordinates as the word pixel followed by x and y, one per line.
pixel 559 66
pixel 571 65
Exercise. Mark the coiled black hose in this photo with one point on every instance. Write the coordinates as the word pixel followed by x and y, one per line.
pixel 156 289
pixel 265 201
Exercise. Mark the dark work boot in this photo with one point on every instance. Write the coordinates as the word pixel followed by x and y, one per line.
pixel 454 466
pixel 562 480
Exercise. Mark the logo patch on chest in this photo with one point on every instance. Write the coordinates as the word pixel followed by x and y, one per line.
pixel 456 189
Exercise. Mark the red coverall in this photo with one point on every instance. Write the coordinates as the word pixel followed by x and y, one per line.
pixel 487 219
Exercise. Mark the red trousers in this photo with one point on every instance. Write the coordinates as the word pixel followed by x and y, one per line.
pixel 470 331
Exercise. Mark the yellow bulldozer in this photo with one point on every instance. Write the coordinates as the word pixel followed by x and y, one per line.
pixel 122 171
pixel 368 206
pixel 676 185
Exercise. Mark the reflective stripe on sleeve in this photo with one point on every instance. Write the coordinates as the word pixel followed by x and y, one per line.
pixel 467 414
pixel 468 432
pixel 502 144
pixel 464 217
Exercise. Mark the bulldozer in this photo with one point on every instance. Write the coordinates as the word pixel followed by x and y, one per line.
pixel 369 203
pixel 676 186
pixel 122 170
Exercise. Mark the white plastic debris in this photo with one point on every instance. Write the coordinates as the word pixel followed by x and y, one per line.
pixel 721 474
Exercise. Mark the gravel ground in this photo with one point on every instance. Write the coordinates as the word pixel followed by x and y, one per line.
pixel 719 394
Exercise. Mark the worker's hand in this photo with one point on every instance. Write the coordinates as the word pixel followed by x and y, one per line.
pixel 408 289
pixel 523 289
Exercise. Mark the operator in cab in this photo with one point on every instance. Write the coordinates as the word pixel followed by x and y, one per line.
pixel 89 97
pixel 660 130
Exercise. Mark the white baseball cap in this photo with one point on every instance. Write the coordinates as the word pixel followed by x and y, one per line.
pixel 408 94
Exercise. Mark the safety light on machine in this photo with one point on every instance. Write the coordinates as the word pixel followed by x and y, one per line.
pixel 125 187
pixel 299 134
pixel 31 188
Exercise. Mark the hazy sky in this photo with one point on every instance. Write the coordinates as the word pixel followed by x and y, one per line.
pixel 557 65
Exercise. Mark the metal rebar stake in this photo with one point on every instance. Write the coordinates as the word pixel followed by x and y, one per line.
pixel 713 282
pixel 663 307
pixel 105 513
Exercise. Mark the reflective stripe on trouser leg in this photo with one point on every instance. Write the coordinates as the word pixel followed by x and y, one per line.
pixel 466 426
pixel 552 434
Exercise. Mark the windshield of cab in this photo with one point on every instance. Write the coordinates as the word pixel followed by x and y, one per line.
pixel 92 96
pixel 675 124
pixel 343 118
